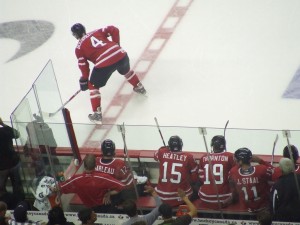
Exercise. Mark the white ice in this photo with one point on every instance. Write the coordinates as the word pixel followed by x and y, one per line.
pixel 226 60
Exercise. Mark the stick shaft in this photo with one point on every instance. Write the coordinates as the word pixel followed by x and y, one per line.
pixel 225 131
pixel 225 127
pixel 292 159
pixel 70 99
pixel 273 150
pixel 157 125
pixel 122 129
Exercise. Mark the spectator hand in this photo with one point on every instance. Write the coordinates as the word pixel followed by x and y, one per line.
pixel 149 189
pixel 181 193
pixel 83 82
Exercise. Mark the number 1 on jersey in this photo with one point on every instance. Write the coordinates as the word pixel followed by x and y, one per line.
pixel 217 171
pixel 253 189
pixel 173 172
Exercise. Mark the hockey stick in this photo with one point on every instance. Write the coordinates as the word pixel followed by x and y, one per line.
pixel 287 134
pixel 54 113
pixel 202 132
pixel 225 132
pixel 159 131
pixel 121 128
pixel 225 128
pixel 273 150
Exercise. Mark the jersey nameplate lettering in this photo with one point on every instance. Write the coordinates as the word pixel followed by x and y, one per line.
pixel 174 156
pixel 220 158
pixel 105 169
pixel 248 180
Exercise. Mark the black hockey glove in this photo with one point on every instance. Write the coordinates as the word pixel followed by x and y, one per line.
pixel 83 84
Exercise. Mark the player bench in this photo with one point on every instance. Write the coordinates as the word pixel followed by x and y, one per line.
pixel 147 202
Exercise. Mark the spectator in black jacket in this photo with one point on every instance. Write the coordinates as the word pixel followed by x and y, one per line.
pixel 56 216
pixel 9 162
pixel 20 215
pixel 286 194
pixel 87 217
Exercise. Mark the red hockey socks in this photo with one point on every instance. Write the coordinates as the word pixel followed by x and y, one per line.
pixel 132 78
pixel 95 98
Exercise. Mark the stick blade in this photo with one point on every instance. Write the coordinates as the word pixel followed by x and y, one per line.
pixel 51 114
pixel 45 114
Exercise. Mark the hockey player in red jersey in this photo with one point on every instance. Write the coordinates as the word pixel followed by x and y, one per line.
pixel 102 48
pixel 177 169
pixel 92 187
pixel 117 168
pixel 113 166
pixel 213 171
pixel 250 183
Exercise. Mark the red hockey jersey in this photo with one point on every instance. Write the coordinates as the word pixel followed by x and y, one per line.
pixel 221 163
pixel 117 168
pixel 90 187
pixel 253 187
pixel 176 170
pixel 101 47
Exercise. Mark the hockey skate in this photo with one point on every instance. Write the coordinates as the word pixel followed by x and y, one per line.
pixel 96 117
pixel 140 89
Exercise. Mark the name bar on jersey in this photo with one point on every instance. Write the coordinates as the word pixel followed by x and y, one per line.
pixel 174 156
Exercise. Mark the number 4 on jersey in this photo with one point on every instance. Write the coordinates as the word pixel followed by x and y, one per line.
pixel 96 42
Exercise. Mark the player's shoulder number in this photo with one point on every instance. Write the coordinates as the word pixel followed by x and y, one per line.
pixel 96 42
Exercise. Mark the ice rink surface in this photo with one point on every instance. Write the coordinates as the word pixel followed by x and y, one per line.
pixel 224 60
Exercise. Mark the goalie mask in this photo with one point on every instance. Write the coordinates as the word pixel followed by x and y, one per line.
pixel 218 143
pixel 243 154
pixel 108 147
pixel 78 30
pixel 175 144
